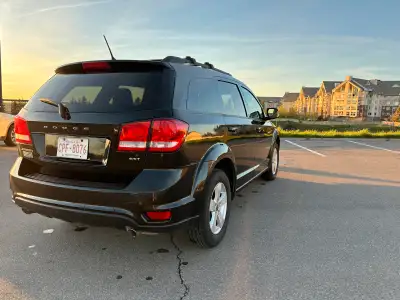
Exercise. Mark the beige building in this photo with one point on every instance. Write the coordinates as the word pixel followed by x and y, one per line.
pixel 270 102
pixel 372 99
pixel 323 98
pixel 368 99
pixel 348 98
pixel 288 101
pixel 305 104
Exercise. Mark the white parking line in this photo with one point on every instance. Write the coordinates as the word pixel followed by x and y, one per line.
pixel 312 151
pixel 375 147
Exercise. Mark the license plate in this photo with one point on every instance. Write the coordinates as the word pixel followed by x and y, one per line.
pixel 76 148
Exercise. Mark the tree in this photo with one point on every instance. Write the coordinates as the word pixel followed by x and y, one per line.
pixel 396 115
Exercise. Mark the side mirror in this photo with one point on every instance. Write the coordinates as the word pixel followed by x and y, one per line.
pixel 272 113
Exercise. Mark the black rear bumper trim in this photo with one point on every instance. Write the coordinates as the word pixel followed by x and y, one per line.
pixel 90 214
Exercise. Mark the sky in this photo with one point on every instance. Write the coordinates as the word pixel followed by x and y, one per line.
pixel 273 46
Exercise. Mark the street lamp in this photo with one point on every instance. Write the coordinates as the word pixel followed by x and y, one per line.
pixel 1 81
pixel 1 85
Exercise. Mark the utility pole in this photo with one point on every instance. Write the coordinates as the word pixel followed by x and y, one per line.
pixel 1 84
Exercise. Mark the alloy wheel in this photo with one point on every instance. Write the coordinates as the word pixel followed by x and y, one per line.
pixel 218 208
pixel 274 161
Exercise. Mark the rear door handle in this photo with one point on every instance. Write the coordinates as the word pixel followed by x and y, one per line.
pixel 233 129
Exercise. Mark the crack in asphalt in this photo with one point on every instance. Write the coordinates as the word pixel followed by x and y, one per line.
pixel 178 257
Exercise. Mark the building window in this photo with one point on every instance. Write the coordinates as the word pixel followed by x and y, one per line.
pixel 369 114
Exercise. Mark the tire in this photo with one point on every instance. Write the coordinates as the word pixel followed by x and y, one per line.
pixel 201 230
pixel 10 138
pixel 272 171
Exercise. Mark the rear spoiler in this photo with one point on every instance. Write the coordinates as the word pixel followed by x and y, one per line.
pixel 112 66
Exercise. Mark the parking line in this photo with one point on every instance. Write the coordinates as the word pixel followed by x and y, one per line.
pixel 375 147
pixel 312 151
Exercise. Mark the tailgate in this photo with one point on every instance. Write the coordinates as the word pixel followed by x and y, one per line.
pixel 84 144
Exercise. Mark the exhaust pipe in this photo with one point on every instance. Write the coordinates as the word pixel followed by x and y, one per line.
pixel 131 231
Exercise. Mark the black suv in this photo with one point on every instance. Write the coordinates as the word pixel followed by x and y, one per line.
pixel 146 146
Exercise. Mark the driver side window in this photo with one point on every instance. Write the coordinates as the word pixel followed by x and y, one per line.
pixel 253 108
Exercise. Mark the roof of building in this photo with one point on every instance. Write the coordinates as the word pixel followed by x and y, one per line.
pixel 309 91
pixel 330 85
pixel 290 97
pixel 270 99
pixel 386 88
pixel 361 83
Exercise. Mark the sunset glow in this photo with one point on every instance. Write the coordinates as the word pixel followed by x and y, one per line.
pixel 269 45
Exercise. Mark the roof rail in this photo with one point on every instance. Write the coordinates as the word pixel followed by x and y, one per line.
pixel 191 61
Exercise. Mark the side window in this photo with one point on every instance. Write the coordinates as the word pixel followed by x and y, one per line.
pixel 203 96
pixel 253 108
pixel 232 103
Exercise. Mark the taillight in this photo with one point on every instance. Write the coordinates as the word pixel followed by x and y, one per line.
pixel 159 215
pixel 22 134
pixel 165 135
pixel 134 136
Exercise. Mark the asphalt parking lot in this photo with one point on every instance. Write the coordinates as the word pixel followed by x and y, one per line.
pixel 327 228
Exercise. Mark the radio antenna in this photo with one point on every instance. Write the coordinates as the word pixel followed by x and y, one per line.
pixel 109 49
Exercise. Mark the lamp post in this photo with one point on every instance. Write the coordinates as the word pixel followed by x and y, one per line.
pixel 1 85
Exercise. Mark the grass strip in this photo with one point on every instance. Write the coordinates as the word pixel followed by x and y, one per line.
pixel 364 133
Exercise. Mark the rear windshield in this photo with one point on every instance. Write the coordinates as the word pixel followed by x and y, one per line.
pixel 109 92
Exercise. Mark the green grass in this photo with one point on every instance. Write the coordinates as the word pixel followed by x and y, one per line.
pixel 329 126
pixel 364 133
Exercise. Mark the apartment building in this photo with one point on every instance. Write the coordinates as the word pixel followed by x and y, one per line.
pixel 368 99
pixel 305 103
pixel 349 98
pixel 270 102
pixel 384 99
pixel 323 98
pixel 289 100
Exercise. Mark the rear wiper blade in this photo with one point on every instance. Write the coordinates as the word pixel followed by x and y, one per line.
pixel 48 101
pixel 62 109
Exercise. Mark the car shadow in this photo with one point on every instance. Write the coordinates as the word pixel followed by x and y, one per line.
pixel 285 238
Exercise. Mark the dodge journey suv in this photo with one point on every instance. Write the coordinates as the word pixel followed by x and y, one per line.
pixel 146 146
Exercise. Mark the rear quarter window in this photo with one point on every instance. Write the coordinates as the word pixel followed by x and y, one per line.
pixel 203 96
pixel 213 96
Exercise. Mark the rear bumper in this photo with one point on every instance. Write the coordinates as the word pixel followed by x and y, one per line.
pixel 111 207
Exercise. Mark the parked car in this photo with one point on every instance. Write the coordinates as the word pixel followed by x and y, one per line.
pixel 147 146
pixel 7 129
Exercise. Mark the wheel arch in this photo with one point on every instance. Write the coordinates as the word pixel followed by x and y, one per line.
pixel 275 141
pixel 278 139
pixel 218 156
pixel 9 126
pixel 6 130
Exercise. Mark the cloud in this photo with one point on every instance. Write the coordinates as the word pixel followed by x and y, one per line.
pixel 66 6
